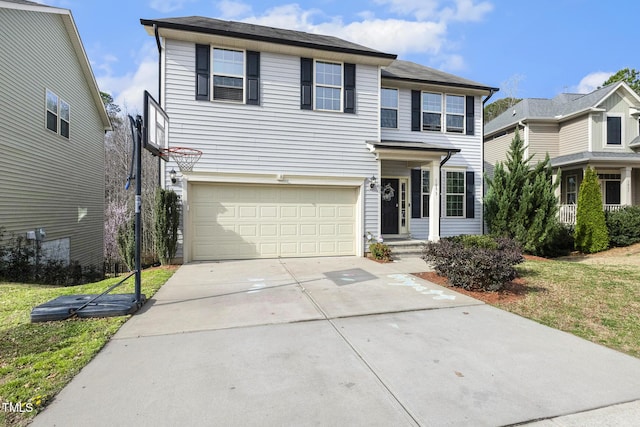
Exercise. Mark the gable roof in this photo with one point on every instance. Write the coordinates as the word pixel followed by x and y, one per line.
pixel 243 30
pixel 562 107
pixel 76 42
pixel 412 72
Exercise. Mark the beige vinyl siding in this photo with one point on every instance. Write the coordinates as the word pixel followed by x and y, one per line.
pixel 543 139
pixel 49 181
pixel 275 136
pixel 495 149
pixel 469 159
pixel 573 136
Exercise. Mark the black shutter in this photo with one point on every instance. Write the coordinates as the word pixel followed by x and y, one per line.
pixel 202 71
pixel 350 88
pixel 253 77
pixel 306 83
pixel 470 115
pixel 470 193
pixel 415 110
pixel 416 193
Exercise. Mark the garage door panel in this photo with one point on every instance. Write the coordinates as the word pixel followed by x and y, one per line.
pixel 253 221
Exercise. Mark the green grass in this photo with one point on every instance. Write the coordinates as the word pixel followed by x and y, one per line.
pixel 38 359
pixel 600 303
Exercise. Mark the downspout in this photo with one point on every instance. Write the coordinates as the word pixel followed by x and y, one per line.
pixel 159 45
pixel 442 162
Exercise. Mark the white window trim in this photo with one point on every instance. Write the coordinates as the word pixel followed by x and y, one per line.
pixel 243 76
pixel 464 114
pixel 622 131
pixel 422 111
pixel 389 108
pixel 58 114
pixel 422 193
pixel 315 86
pixel 445 193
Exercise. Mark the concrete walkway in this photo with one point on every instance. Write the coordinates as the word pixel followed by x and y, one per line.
pixel 340 342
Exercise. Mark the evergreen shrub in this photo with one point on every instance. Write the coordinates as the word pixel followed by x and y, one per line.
pixel 624 226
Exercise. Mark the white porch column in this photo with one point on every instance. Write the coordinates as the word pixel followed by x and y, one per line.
pixel 625 186
pixel 557 191
pixel 434 202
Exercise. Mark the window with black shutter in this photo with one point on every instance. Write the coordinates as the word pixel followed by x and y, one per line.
pixel 202 72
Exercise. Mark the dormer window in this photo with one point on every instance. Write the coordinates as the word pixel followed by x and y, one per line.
pixel 614 130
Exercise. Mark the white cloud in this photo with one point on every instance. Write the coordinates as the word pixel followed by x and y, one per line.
pixel 128 90
pixel 591 82
pixel 460 10
pixel 166 6
pixel 230 9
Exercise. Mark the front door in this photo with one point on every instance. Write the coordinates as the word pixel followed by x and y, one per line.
pixel 390 205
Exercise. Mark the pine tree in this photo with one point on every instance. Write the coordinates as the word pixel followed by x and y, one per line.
pixel 591 233
pixel 520 201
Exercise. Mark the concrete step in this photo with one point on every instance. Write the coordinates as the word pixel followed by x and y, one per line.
pixel 405 248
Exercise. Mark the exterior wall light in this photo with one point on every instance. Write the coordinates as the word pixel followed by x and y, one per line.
pixel 372 182
pixel 172 175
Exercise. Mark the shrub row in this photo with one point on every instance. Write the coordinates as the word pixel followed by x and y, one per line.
pixel 20 261
pixel 475 262
pixel 624 226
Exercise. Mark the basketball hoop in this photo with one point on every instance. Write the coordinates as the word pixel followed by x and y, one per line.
pixel 185 157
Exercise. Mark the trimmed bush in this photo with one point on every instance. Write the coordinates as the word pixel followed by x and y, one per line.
pixel 472 263
pixel 624 226
pixel 591 233
pixel 561 242
pixel 167 220
pixel 380 251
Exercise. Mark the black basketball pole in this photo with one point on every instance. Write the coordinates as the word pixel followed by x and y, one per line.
pixel 138 219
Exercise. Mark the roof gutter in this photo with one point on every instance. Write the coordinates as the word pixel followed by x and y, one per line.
pixel 491 92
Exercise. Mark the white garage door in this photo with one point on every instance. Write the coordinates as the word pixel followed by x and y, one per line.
pixel 260 221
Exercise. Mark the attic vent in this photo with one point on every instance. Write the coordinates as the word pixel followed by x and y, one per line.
pixel 514 113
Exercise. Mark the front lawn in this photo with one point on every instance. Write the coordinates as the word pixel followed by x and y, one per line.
pixel 598 302
pixel 38 359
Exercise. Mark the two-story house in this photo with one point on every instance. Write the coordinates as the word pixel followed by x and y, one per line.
pixel 599 130
pixel 52 125
pixel 312 144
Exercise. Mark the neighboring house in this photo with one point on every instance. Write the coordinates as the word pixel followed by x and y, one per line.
pixel 599 129
pixel 52 125
pixel 312 144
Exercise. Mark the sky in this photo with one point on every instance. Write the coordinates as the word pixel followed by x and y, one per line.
pixel 528 49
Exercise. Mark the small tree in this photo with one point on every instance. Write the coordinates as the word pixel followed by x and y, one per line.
pixel 167 220
pixel 127 242
pixel 591 233
pixel 521 201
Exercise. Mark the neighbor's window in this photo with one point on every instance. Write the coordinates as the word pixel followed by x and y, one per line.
pixel 455 194
pixel 389 108
pixel 328 83
pixel 431 111
pixel 426 188
pixel 614 130
pixel 572 189
pixel 58 114
pixel 52 111
pixel 228 75
pixel 455 113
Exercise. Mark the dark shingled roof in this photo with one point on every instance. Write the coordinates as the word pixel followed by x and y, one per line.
pixel 243 30
pixel 410 71
pixel 27 3
pixel 564 104
pixel 586 156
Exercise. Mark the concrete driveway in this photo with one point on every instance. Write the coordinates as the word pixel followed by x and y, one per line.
pixel 340 342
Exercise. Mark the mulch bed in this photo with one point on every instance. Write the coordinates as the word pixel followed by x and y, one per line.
pixel 512 291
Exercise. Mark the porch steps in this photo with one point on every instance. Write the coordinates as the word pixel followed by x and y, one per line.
pixel 405 248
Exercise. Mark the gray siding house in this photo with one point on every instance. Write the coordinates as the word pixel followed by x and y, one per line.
pixel 600 129
pixel 52 125
pixel 311 144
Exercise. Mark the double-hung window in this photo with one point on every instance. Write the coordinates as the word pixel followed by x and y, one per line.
pixel 455 113
pixel 614 130
pixel 455 194
pixel 432 111
pixel 328 86
pixel 58 114
pixel 426 190
pixel 572 189
pixel 228 75
pixel 389 108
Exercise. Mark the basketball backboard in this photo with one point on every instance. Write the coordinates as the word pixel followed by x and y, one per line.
pixel 155 135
